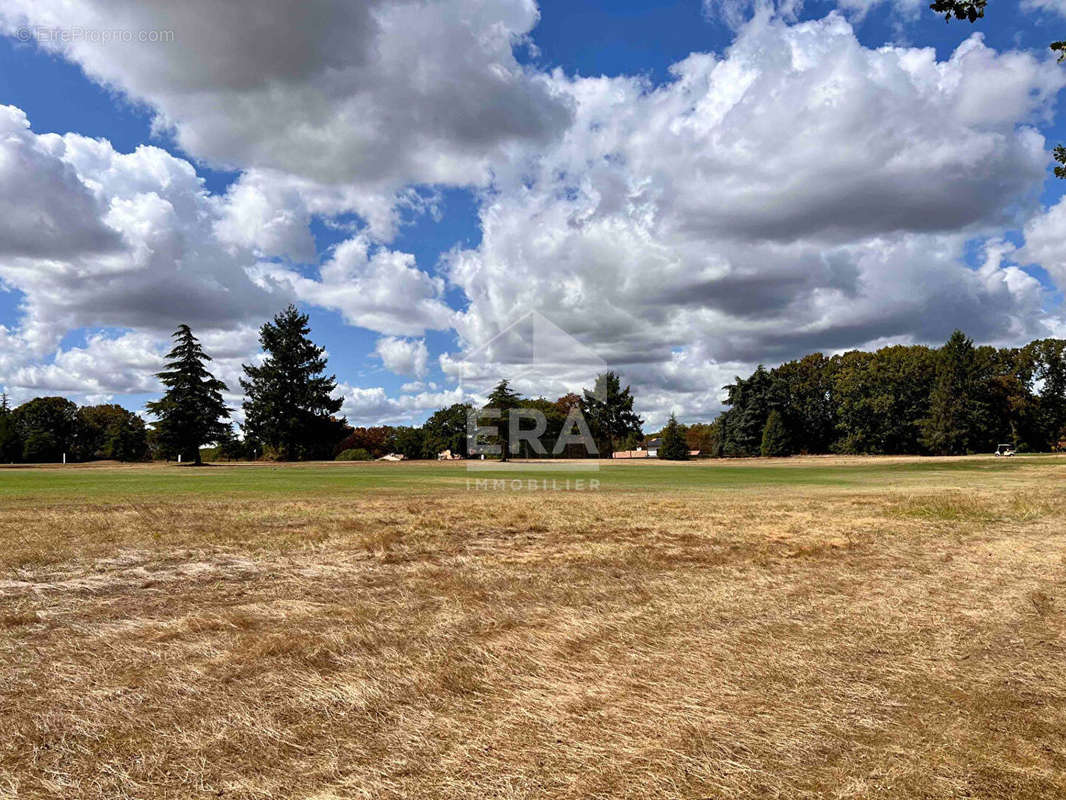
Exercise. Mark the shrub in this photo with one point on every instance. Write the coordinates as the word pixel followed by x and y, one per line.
pixel 354 454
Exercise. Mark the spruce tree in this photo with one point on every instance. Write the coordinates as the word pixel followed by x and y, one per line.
pixel 191 412
pixel 774 436
pixel 673 446
pixel 947 429
pixel 289 406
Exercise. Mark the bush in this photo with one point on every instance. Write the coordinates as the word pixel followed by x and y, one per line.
pixel 354 454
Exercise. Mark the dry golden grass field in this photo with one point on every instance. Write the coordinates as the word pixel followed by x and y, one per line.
pixel 823 627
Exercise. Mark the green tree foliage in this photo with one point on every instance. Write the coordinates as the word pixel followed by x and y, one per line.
pixel 608 409
pixel 751 400
pixel 557 418
pixel 410 442
pixel 10 443
pixel 232 448
pixel 191 412
pixel 774 436
pixel 111 432
pixel 948 428
pixel 805 390
pixel 45 427
pixel 1043 373
pixel 882 399
pixel 447 430
pixel 504 400
pixel 881 402
pixel 289 405
pixel 673 446
pixel 547 410
pixel 354 454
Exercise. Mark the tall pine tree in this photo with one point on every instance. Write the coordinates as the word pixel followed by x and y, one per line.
pixel 191 413
pixel 290 406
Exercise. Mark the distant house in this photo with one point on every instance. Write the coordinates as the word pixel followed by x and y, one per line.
pixel 649 449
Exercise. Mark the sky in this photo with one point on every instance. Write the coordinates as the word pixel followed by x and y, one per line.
pixel 683 189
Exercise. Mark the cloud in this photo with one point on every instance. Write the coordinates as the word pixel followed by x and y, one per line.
pixel 738 13
pixel 1045 242
pixel 266 217
pixel 371 286
pixel 104 366
pixel 374 406
pixel 798 192
pixel 1052 6
pixel 133 242
pixel 403 356
pixel 364 98
pixel 53 214
pixel 803 192
pixel 115 240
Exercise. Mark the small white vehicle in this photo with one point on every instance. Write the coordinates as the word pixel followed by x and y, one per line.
pixel 1005 450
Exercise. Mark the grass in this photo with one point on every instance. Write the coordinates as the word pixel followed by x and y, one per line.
pixel 834 627
pixel 296 480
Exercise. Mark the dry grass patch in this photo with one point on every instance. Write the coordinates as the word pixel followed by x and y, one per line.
pixel 772 643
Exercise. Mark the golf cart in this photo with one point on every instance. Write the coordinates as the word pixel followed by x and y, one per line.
pixel 1005 450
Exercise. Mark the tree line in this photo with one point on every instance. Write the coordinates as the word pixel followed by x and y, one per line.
pixel 290 413
pixel 900 400
pixel 289 409
pixel 606 411
pixel 897 400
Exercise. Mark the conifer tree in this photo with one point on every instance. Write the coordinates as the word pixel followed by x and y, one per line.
pixel 10 443
pixel 191 412
pixel 289 406
pixel 673 446
pixel 947 429
pixel 774 436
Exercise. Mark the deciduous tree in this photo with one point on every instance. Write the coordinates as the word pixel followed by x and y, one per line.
pixel 447 430
pixel 45 426
pixel 608 409
pixel 109 431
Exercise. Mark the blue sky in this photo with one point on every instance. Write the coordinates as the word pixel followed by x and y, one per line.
pixel 572 41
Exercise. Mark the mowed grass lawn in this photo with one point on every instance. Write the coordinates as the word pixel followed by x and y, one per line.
pixel 816 627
